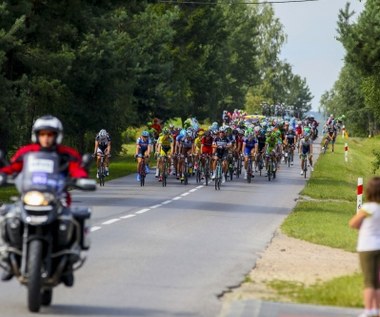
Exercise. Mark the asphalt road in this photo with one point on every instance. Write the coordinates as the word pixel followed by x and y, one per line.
pixel 168 251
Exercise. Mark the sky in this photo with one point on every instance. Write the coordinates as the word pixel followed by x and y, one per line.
pixel 311 48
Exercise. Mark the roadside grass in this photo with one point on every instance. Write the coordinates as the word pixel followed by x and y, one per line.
pixel 344 291
pixel 333 178
pixel 322 223
pixel 324 220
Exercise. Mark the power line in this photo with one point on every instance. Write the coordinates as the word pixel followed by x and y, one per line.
pixel 256 3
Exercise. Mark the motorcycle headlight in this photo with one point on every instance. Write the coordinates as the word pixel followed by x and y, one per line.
pixel 35 198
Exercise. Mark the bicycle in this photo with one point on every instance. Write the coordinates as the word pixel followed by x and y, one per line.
pixel 218 174
pixel 249 169
pixel 239 165
pixel 230 164
pixel 185 170
pixel 142 171
pixel 199 168
pixel 260 162
pixel 326 144
pixel 164 165
pixel 304 164
pixel 272 166
pixel 101 170
pixel 289 155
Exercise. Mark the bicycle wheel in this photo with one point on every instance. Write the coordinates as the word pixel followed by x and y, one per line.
pixel 291 157
pixel 249 171
pixel 218 175
pixel 186 174
pixel 163 173
pixel 142 173
pixel 305 168
pixel 198 176
pixel 238 167
pixel 207 171
pixel 270 170
pixel 101 175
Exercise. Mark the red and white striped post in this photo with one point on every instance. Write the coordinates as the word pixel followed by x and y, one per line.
pixel 359 192
pixel 346 152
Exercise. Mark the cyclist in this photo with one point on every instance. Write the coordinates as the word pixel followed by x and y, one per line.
pixel 102 147
pixel 143 148
pixel 220 147
pixel 306 150
pixel 164 148
pixel 186 148
pixel 331 134
pixel 198 147
pixel 271 143
pixel 250 148
pixel 290 140
pixel 261 140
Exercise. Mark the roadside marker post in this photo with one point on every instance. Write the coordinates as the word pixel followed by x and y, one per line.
pixel 359 192
pixel 346 152
pixel 343 131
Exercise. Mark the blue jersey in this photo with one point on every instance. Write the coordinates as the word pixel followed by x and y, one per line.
pixel 144 144
pixel 250 143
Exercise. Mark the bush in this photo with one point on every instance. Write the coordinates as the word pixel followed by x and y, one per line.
pixel 129 135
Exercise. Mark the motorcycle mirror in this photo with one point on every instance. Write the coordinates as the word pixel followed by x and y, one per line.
pixel 86 160
pixel 85 184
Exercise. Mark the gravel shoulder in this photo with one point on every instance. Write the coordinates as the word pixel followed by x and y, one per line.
pixel 290 259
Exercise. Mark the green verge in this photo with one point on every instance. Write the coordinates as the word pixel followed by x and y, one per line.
pixel 322 218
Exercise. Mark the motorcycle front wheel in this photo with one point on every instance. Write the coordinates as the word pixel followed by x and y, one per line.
pixel 34 275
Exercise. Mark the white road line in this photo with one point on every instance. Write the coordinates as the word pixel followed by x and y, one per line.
pixel 176 198
pixel 142 211
pixel 95 228
pixel 166 202
pixel 198 187
pixel 193 190
pixel 184 194
pixel 155 206
pixel 128 216
pixel 108 222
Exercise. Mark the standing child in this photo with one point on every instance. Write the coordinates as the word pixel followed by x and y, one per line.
pixel 367 221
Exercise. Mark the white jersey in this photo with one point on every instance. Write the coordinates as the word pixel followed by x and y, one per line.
pixel 369 233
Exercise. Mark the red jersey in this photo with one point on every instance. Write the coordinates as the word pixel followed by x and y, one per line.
pixel 68 154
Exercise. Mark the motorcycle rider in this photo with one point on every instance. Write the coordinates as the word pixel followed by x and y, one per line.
pixel 47 135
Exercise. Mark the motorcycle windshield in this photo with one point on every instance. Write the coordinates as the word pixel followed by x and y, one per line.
pixel 41 172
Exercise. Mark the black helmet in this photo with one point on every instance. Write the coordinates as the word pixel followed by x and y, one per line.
pixel 48 123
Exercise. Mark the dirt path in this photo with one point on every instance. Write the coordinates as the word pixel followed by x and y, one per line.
pixel 294 260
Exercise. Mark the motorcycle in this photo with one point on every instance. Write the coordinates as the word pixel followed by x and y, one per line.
pixel 42 238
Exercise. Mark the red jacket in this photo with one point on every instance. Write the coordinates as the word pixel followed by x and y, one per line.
pixel 74 169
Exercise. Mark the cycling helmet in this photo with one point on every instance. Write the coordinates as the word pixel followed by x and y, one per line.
pixel 48 123
pixel 145 133
pixel 165 131
pixel 201 132
pixel 207 133
pixel 222 129
pixel 102 133
pixel 189 133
